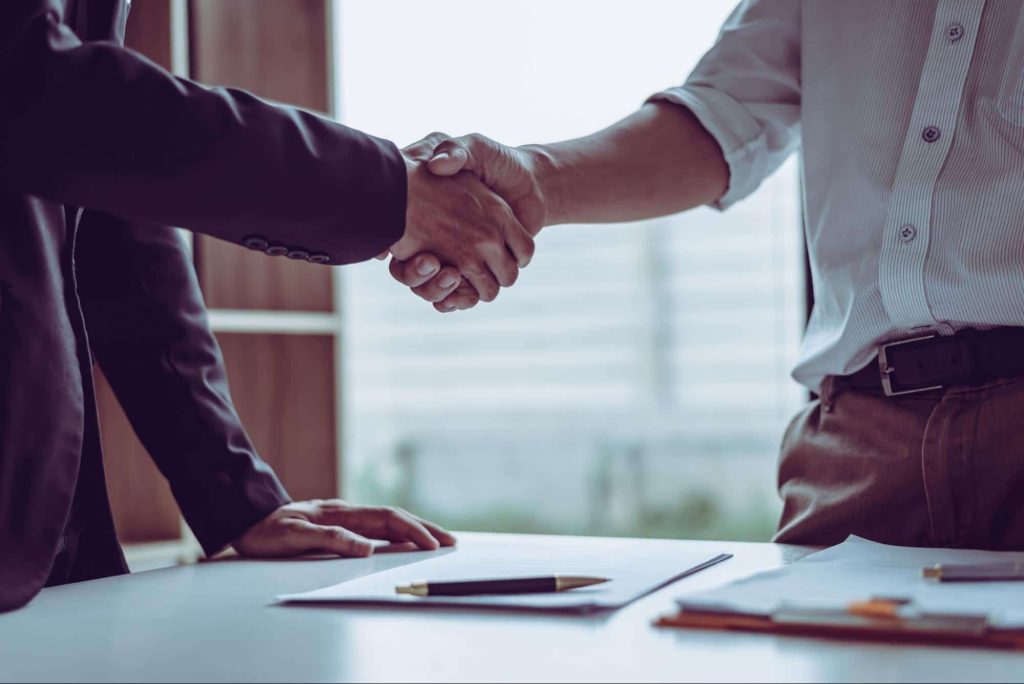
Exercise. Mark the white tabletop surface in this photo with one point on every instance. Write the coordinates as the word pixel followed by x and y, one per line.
pixel 215 622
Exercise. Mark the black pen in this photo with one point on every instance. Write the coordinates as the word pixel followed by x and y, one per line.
pixel 514 585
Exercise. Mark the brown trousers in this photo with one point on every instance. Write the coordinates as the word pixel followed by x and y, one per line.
pixel 944 469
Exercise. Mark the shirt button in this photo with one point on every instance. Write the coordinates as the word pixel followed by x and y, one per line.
pixel 319 258
pixel 299 254
pixel 908 233
pixel 255 242
pixel 276 250
pixel 931 134
pixel 954 32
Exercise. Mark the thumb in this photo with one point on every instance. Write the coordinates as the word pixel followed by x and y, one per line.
pixel 334 539
pixel 449 158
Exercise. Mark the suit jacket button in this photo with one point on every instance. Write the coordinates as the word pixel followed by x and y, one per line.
pixel 255 242
pixel 299 254
pixel 276 249
pixel 319 258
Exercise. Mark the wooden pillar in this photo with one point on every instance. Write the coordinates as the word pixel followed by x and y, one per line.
pixel 277 320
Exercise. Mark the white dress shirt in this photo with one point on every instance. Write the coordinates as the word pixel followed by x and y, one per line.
pixel 911 116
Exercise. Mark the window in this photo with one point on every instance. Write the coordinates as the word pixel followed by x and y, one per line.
pixel 635 380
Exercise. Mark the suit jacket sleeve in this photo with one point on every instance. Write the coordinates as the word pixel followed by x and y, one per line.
pixel 148 328
pixel 95 125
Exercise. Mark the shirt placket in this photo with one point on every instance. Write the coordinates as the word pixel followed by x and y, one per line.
pixel 908 228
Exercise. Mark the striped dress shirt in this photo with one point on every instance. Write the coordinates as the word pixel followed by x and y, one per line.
pixel 911 119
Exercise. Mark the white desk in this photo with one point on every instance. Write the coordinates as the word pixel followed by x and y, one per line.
pixel 213 622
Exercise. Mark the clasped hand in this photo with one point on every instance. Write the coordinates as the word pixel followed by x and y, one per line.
pixel 474 207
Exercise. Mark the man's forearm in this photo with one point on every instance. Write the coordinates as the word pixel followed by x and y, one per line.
pixel 656 162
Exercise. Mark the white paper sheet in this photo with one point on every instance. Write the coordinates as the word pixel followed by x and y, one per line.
pixel 858 570
pixel 634 567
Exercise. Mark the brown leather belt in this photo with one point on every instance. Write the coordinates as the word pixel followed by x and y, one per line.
pixel 933 363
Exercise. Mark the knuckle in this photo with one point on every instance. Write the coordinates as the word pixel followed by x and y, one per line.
pixel 474 268
pixel 482 145
pixel 448 274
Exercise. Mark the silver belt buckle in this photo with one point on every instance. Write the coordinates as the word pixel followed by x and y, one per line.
pixel 886 370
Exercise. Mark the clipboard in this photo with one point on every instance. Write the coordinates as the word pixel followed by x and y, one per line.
pixel 884 620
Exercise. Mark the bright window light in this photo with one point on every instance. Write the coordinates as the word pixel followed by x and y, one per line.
pixel 635 381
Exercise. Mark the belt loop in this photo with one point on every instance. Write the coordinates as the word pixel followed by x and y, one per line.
pixel 828 393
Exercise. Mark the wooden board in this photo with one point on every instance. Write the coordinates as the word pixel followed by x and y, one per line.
pixel 277 49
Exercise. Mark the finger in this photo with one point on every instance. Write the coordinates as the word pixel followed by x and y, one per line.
pixel 332 538
pixel 382 256
pixel 483 281
pixel 518 241
pixel 404 527
pixel 423 149
pixel 379 522
pixel 501 263
pixel 494 212
pixel 415 271
pixel 440 286
pixel 449 157
pixel 388 523
pixel 439 533
pixel 464 297
pixel 475 153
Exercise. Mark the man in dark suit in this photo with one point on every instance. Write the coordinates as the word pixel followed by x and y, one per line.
pixel 100 150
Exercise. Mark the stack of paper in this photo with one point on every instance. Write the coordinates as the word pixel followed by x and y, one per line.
pixel 859 570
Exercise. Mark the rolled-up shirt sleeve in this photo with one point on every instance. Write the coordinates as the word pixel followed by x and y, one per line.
pixel 746 92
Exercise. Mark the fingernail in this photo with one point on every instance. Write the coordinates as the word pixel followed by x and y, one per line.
pixel 442 156
pixel 447 307
pixel 447 282
pixel 426 268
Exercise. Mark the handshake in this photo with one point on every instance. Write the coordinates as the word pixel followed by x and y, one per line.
pixel 474 207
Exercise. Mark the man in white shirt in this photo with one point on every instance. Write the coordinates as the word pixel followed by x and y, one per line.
pixel 911 119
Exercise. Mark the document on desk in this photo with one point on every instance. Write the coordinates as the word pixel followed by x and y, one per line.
pixel 860 570
pixel 635 568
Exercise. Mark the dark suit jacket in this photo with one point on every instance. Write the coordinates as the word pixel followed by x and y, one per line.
pixel 99 150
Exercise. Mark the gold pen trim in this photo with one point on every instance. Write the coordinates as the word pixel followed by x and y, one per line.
pixel 414 589
pixel 567 582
